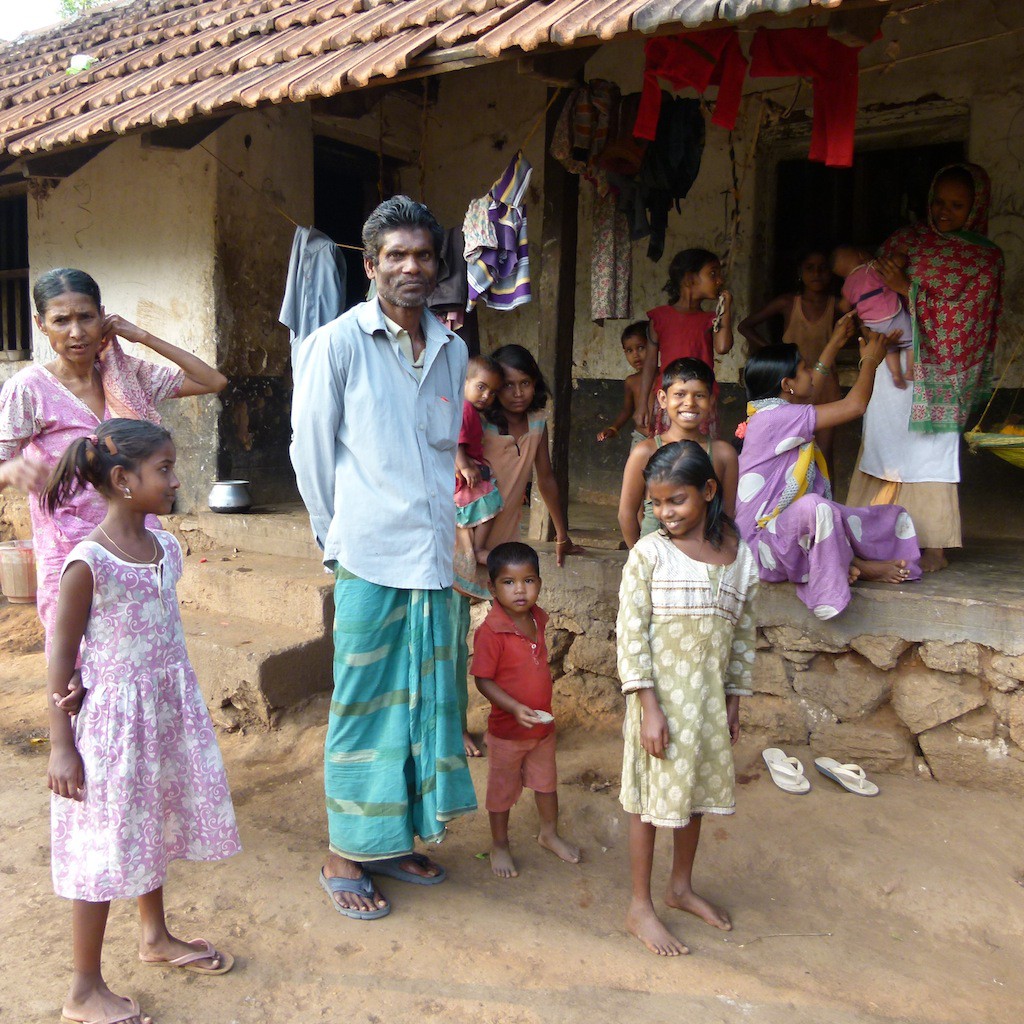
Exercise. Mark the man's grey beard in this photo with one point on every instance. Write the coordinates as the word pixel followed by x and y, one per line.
pixel 400 302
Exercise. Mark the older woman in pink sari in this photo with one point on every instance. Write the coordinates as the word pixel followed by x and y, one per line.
pixel 48 405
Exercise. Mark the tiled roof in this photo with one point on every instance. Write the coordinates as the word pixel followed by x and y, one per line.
pixel 164 62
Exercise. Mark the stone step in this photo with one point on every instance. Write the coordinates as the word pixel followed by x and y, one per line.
pixel 293 593
pixel 248 668
pixel 271 530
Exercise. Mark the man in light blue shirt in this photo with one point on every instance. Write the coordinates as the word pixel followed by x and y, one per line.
pixel 376 413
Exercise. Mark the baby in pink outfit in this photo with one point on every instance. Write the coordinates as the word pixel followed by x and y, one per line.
pixel 878 306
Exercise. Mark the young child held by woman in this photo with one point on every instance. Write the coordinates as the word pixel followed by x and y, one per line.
pixel 137 778
pixel 686 398
pixel 510 663
pixel 634 348
pixel 878 307
pixel 477 499
pixel 684 329
pixel 685 638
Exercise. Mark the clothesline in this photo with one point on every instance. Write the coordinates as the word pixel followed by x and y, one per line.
pixel 341 245
pixel 294 223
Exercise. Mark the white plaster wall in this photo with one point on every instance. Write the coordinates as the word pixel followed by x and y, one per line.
pixel 141 222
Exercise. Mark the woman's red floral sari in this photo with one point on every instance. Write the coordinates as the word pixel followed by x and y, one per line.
pixel 955 299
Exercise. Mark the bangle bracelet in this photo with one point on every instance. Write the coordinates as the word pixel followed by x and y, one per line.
pixel 822 368
pixel 872 362
pixel 614 431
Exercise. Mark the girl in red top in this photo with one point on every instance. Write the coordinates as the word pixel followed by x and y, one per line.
pixel 684 329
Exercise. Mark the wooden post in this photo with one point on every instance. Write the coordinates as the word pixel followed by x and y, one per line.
pixel 556 315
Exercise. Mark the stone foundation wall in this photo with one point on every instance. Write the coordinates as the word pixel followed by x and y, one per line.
pixel 953 711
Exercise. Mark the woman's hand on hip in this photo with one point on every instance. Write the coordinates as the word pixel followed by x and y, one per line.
pixel 117 326
pixel 23 474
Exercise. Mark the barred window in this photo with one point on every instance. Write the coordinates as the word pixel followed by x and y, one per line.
pixel 15 311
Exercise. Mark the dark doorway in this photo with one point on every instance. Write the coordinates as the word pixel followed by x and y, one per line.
pixel 347 185
pixel 819 207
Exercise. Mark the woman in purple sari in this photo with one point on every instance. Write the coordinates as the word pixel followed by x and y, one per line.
pixel 784 507
pixel 46 406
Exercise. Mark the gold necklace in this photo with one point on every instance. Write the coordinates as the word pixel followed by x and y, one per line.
pixel 132 558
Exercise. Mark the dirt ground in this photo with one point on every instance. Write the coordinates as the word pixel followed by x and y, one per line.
pixel 907 907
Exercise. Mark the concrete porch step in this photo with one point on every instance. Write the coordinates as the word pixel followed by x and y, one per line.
pixel 292 593
pixel 269 530
pixel 249 668
pixel 258 629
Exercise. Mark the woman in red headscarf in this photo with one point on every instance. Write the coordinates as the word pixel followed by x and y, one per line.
pixel 952 281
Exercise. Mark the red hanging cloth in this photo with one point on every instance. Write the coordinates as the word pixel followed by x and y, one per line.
pixel 697 60
pixel 832 66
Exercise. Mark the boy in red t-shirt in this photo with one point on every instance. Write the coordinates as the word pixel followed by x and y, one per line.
pixel 510 663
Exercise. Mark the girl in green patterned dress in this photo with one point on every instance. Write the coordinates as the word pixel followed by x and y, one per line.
pixel 685 656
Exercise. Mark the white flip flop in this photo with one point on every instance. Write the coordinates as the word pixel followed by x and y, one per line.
pixel 850 776
pixel 787 772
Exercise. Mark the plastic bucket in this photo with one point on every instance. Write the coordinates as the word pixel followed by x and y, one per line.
pixel 18 571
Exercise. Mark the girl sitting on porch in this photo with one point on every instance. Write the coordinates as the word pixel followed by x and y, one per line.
pixel 784 509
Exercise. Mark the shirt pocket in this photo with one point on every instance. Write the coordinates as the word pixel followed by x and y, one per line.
pixel 442 420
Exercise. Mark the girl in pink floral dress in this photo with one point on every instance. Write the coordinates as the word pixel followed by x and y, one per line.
pixel 137 778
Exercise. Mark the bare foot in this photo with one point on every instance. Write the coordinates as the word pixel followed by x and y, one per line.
pixel 644 923
pixel 933 559
pixel 472 750
pixel 502 863
pixel 853 574
pixel 559 847
pixel 340 867
pixel 893 571
pixel 699 907
pixel 170 948
pixel 101 1004
pixel 899 380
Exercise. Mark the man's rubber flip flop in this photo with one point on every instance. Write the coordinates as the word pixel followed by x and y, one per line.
pixel 787 772
pixel 850 776
pixel 362 886
pixel 392 868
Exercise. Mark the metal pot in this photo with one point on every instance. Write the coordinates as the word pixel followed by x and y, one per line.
pixel 230 496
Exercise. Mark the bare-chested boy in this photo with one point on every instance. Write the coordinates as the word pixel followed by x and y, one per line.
pixel 634 348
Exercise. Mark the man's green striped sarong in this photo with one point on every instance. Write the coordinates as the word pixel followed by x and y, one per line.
pixel 394 763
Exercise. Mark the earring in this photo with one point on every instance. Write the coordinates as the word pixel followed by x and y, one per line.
pixel 128 493
pixel 791 391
